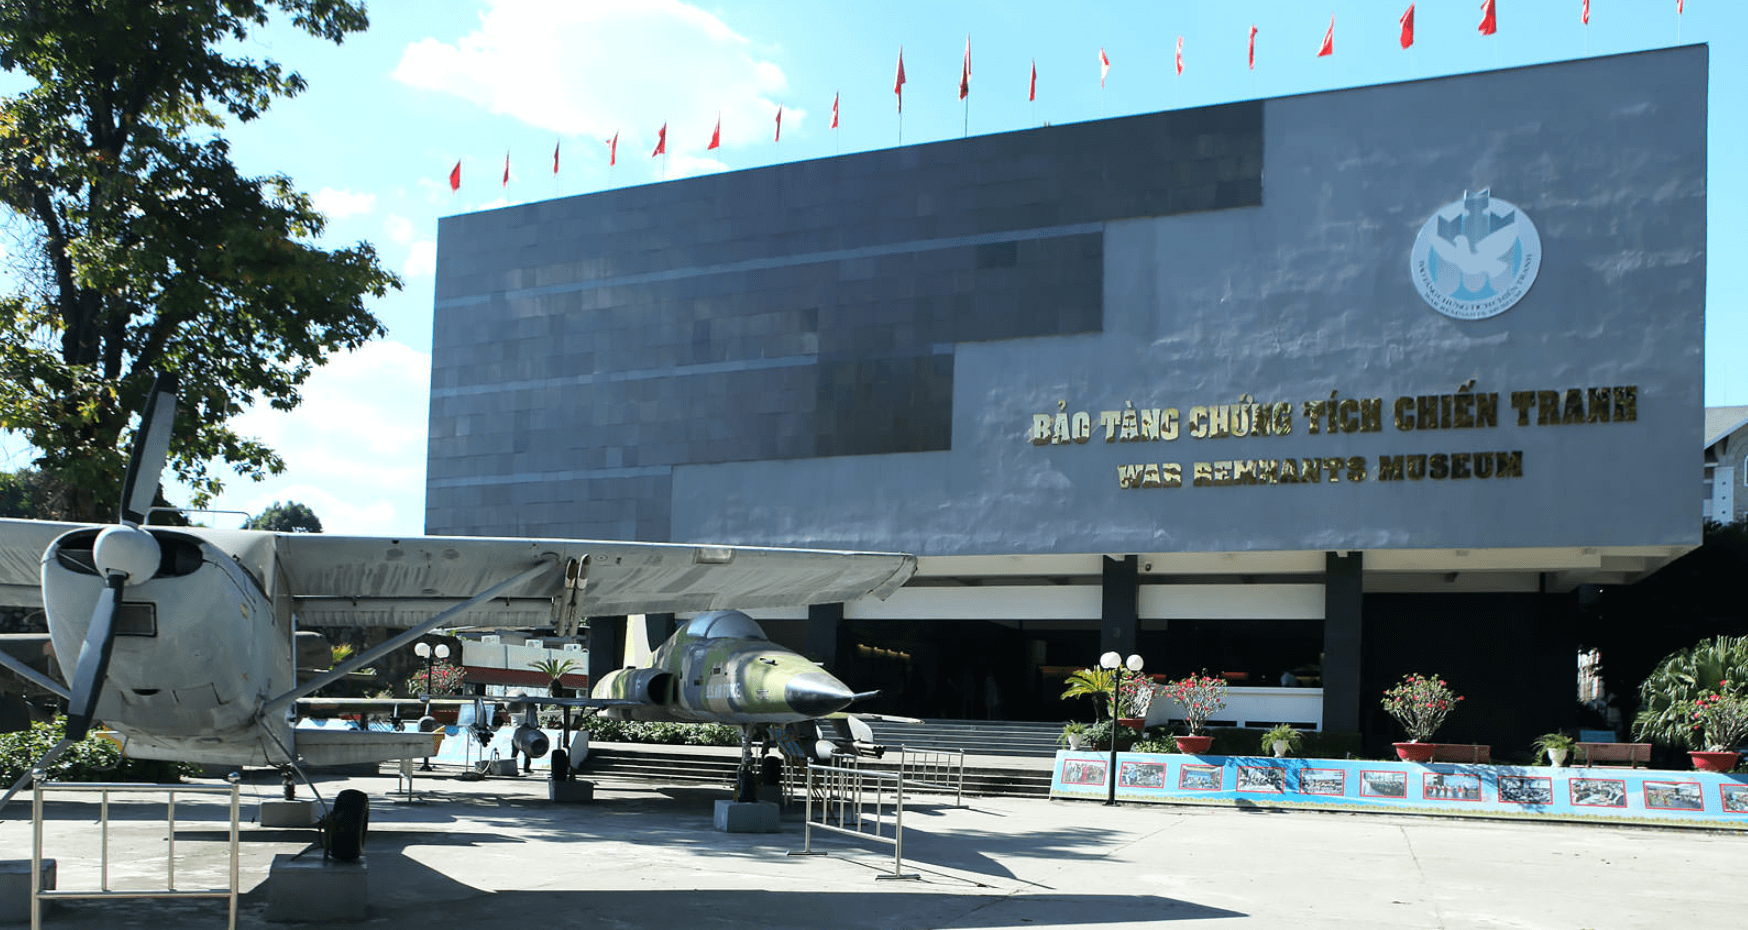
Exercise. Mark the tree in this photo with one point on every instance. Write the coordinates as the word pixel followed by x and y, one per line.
pixel 289 517
pixel 146 249
pixel 1666 696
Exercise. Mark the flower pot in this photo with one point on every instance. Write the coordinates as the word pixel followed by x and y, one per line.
pixel 1280 747
pixel 1713 761
pixel 1415 752
pixel 1078 741
pixel 1134 723
pixel 1557 758
pixel 1194 745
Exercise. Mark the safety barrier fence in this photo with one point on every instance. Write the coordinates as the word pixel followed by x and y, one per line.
pixel 858 803
pixel 38 894
pixel 942 770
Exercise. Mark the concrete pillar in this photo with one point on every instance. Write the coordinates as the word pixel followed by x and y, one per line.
pixel 606 646
pixel 1342 637
pixel 821 643
pixel 1119 616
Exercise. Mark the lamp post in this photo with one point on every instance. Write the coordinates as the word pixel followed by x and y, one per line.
pixel 1115 664
pixel 430 654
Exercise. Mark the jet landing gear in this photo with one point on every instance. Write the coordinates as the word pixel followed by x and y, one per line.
pixel 749 775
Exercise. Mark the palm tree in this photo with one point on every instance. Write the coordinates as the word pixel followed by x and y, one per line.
pixel 1667 695
pixel 1090 682
pixel 553 669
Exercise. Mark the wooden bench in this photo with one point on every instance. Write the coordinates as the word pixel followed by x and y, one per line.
pixel 1633 754
pixel 1461 752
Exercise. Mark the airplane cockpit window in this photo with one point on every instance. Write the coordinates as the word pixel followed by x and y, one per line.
pixel 724 623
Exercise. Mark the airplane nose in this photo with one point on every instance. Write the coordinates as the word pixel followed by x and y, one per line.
pixel 817 695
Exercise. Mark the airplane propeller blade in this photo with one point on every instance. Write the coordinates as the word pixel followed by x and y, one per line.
pixel 47 759
pixel 94 660
pixel 151 449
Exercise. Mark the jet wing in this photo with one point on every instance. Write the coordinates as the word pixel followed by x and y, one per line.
pixel 362 581
pixel 22 543
pixel 549 701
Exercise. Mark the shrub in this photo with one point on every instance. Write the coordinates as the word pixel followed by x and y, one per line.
pixel 93 758
pixel 669 734
pixel 1420 703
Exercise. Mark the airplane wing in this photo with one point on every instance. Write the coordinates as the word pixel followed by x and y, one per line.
pixel 362 581
pixel 549 701
pixel 22 543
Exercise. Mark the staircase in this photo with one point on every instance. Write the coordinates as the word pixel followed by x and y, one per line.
pixel 975 737
pixel 648 764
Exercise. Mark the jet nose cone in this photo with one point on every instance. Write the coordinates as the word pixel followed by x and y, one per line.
pixel 817 695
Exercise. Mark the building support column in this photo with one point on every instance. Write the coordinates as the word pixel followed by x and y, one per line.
pixel 822 633
pixel 606 646
pixel 1120 611
pixel 1342 637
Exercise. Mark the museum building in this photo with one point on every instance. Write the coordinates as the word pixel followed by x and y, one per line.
pixel 1310 392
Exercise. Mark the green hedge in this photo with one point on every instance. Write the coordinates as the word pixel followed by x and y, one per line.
pixel 93 758
pixel 669 734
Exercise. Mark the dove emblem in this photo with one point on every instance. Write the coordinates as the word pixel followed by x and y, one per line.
pixel 1475 257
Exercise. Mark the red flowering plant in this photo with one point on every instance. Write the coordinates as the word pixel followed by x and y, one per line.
pixel 1199 696
pixel 1420 703
pixel 1720 717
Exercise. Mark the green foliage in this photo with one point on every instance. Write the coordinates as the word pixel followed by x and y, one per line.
pixel 1071 729
pixel 1094 683
pixel 289 517
pixel 1667 695
pixel 1200 697
pixel 669 734
pixel 32 495
pixel 93 758
pixel 1550 743
pixel 1282 733
pixel 1420 703
pixel 147 249
pixel 553 668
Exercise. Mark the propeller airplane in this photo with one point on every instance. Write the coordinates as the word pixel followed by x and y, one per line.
pixel 183 641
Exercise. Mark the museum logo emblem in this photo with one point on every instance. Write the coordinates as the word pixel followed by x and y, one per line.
pixel 1475 257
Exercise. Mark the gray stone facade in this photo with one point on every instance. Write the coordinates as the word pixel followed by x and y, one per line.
pixel 854 351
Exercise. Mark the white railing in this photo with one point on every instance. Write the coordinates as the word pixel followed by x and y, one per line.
pixel 38 894
pixel 859 803
pixel 1301 707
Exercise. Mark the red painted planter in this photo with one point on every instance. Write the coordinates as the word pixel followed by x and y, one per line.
pixel 1134 723
pixel 1713 761
pixel 1194 745
pixel 1415 752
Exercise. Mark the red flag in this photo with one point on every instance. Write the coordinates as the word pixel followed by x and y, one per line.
pixel 555 146
pixel 715 137
pixel 1253 46
pixel 661 142
pixel 455 178
pixel 1032 93
pixel 965 71
pixel 1328 46
pixel 834 111
pixel 613 150
pixel 1489 23
pixel 1677 7
pixel 1180 54
pixel 1104 67
pixel 779 136
pixel 898 85
pixel 1408 26
pixel 506 167
pixel 1586 15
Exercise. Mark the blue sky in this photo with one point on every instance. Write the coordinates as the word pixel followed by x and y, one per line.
pixel 390 112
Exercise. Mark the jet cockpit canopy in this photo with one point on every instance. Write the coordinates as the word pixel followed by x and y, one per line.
pixel 720 624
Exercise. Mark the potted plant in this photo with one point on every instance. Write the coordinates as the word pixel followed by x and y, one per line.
pixel 1557 746
pixel 554 669
pixel 1074 735
pixel 1720 717
pixel 1420 703
pixel 1134 699
pixel 1281 740
pixel 1199 696
pixel 1092 683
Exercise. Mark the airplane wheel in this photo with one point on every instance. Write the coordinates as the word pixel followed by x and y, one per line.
pixel 747 784
pixel 347 824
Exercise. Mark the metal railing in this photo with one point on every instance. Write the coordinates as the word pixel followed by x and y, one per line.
pixel 940 769
pixel 857 803
pixel 38 894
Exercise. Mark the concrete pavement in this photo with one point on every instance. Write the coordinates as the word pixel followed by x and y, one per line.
pixel 496 853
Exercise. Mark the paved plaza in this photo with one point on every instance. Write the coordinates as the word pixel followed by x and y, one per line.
pixel 496 853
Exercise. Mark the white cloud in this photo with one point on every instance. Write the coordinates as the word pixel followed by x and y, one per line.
pixel 593 69
pixel 400 229
pixel 421 260
pixel 354 450
pixel 339 204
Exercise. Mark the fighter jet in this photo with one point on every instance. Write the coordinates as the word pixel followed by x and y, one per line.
pixel 183 641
